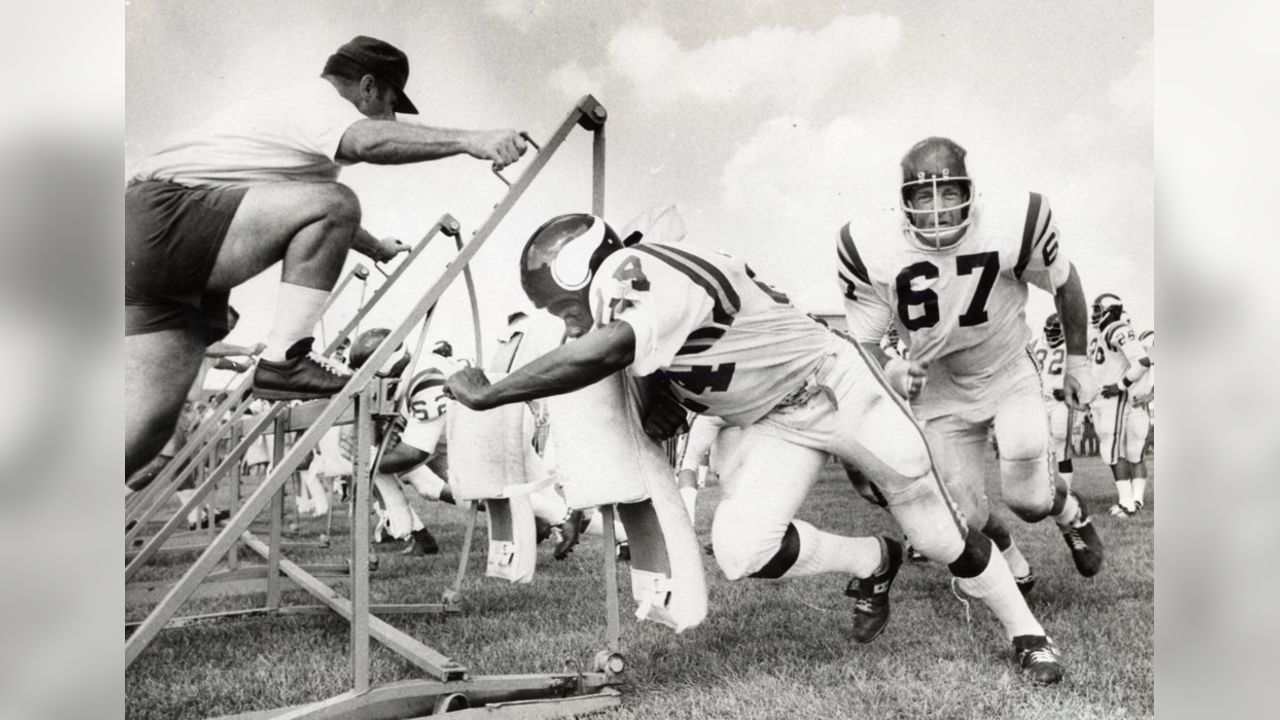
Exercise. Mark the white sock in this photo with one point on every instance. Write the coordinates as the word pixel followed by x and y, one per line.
pixel 1124 491
pixel 822 552
pixel 183 496
pixel 1070 512
pixel 690 497
pixel 297 312
pixel 1139 489
pixel 1018 564
pixel 995 587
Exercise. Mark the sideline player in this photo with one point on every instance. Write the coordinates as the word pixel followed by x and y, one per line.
pixel 250 187
pixel 955 281
pixel 1120 362
pixel 701 328
pixel 1051 356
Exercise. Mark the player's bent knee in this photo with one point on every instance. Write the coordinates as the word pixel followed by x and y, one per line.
pixel 931 522
pixel 1027 487
pixel 974 557
pixel 742 554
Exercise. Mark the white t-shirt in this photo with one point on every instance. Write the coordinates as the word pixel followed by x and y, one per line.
pixel 290 135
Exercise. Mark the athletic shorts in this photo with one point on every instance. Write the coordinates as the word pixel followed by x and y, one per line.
pixel 172 237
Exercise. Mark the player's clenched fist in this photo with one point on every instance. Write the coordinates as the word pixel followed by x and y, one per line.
pixel 468 387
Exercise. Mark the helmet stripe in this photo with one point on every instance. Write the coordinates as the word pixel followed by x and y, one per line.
pixel 1028 232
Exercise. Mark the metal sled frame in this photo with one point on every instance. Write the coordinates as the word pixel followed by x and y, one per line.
pixel 450 687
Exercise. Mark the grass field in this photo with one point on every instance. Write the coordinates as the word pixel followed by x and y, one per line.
pixel 768 649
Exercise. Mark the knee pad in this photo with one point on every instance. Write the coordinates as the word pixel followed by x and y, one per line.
pixel 932 522
pixel 784 558
pixel 1027 486
pixel 974 558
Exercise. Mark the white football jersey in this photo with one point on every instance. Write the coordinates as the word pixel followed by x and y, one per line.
pixel 1146 384
pixel 1113 350
pixel 1052 362
pixel 424 401
pixel 731 345
pixel 961 309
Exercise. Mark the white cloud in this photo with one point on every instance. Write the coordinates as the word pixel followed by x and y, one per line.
pixel 778 64
pixel 1132 93
pixel 574 80
pixel 520 14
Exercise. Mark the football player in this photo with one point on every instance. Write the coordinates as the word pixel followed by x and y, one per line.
pixel 704 331
pixel 1051 356
pixel 415 435
pixel 1119 361
pixel 955 279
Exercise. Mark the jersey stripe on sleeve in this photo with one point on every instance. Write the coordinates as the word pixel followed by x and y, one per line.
pixel 703 274
pixel 851 265
pixel 1031 231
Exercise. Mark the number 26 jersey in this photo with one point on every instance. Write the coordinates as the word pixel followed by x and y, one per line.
pixel 963 308
pixel 730 345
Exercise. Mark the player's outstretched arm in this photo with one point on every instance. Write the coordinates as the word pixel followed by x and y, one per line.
pixel 1073 310
pixel 402 457
pixel 391 142
pixel 572 366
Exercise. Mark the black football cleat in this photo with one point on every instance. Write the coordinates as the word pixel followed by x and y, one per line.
pixel 871 604
pixel 1039 658
pixel 1082 538
pixel 421 542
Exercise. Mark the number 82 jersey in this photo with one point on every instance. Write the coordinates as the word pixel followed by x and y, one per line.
pixel 962 308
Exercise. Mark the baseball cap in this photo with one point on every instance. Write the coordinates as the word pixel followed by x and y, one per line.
pixel 385 62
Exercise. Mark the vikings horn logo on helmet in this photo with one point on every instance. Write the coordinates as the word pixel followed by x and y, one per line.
pixel 561 257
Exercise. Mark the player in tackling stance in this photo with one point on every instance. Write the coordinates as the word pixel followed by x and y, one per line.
pixel 704 331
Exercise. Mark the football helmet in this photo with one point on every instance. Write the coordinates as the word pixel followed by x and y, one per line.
pixel 1107 308
pixel 367 344
pixel 1148 339
pixel 562 257
pixel 443 349
pixel 930 163
pixel 1053 330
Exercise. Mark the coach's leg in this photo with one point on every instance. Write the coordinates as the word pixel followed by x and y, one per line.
pixel 159 370
pixel 310 226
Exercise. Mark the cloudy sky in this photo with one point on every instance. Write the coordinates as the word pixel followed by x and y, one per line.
pixel 769 124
